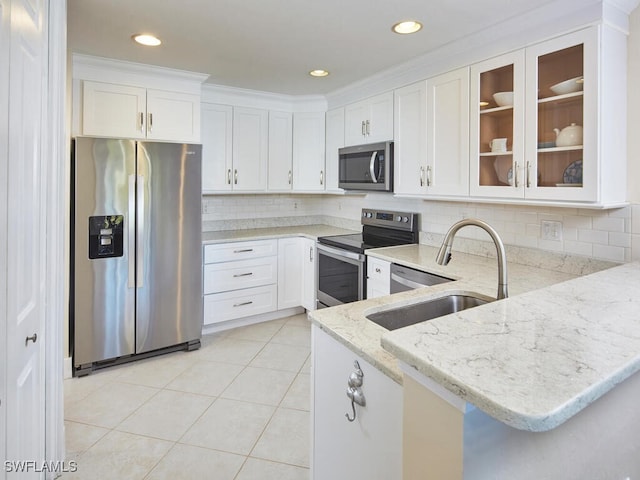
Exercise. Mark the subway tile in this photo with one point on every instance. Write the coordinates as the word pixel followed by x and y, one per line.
pixel 578 248
pixel 593 236
pixel 607 252
pixel 609 224
pixel 620 239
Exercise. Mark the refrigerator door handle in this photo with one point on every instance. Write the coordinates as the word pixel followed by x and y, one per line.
pixel 140 231
pixel 131 234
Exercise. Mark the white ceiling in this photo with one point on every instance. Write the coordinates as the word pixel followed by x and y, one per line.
pixel 270 45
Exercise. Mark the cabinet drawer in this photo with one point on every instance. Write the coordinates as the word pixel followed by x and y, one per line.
pixel 220 307
pixel 254 272
pixel 226 252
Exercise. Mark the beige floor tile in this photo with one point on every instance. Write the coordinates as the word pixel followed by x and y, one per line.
pixel 306 368
pixel 231 350
pixel 186 462
pixel 298 396
pixel 167 415
pixel 80 437
pixel 260 385
pixel 302 320
pixel 230 426
pixel 206 378
pixel 79 387
pixel 281 357
pixel 293 335
pixel 119 456
pixel 257 469
pixel 108 405
pixel 261 332
pixel 157 371
pixel 286 438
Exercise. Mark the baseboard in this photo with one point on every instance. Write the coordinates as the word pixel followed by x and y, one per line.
pixel 243 322
pixel 68 370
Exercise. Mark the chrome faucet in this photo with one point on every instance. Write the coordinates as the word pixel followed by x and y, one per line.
pixel 444 254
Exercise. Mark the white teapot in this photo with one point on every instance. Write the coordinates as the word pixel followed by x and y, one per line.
pixel 569 136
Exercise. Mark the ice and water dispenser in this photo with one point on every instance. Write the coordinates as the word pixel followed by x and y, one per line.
pixel 106 236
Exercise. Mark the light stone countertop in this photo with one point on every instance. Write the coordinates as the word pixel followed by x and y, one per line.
pixel 531 361
pixel 309 231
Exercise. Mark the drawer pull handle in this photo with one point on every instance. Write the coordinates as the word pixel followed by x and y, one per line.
pixel 243 304
pixel 242 274
pixel 244 250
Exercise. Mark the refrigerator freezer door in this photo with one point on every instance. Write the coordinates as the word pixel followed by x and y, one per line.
pixel 169 245
pixel 104 304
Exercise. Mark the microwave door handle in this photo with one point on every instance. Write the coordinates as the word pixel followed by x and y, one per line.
pixel 372 165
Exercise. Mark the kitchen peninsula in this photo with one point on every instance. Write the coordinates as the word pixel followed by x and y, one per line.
pixel 510 389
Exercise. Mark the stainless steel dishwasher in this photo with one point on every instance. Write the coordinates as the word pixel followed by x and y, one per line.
pixel 405 278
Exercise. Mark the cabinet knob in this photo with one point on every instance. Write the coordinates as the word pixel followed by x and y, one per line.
pixel 377 269
pixel 33 338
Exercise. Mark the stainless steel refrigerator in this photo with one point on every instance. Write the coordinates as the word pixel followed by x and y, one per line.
pixel 136 272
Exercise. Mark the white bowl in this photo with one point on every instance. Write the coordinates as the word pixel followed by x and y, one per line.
pixel 503 99
pixel 568 86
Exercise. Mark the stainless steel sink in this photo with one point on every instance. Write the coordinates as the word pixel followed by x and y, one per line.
pixel 428 310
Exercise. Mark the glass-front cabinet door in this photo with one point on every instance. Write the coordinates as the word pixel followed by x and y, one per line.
pixel 497 126
pixel 561 125
pixel 534 122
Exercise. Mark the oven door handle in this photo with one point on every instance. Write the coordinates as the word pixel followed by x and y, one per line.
pixel 339 253
pixel 372 165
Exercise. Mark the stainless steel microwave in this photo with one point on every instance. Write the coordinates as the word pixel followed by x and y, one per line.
pixel 366 167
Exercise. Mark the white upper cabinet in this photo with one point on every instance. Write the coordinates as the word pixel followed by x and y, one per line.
pixel 562 91
pixel 280 176
pixel 497 112
pixel 447 171
pixel 410 134
pixel 308 151
pixel 250 149
pixel 173 116
pixel 113 110
pixel 561 137
pixel 217 160
pixel 370 120
pixel 334 140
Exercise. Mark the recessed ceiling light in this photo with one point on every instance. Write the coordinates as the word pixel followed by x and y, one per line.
pixel 318 73
pixel 406 27
pixel 146 39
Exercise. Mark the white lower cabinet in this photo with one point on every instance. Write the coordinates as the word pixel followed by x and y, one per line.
pixel 369 447
pixel 240 280
pixel 309 273
pixel 220 307
pixel 378 277
pixel 296 273
pixel 290 272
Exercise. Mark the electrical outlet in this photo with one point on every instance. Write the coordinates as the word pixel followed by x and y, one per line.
pixel 551 230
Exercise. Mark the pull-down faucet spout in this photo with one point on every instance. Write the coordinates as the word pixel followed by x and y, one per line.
pixel 444 254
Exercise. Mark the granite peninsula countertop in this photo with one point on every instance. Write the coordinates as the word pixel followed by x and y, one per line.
pixel 533 360
pixel 309 231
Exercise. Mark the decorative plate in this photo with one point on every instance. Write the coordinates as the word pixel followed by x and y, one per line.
pixel 573 173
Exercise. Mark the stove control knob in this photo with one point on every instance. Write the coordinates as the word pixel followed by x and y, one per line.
pixel 398 218
pixel 369 214
pixel 364 214
pixel 405 219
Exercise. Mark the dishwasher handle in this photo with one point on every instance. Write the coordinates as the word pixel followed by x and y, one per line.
pixel 406 282
pixel 405 278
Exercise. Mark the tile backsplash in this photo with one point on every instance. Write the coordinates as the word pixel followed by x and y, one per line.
pixel 598 234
